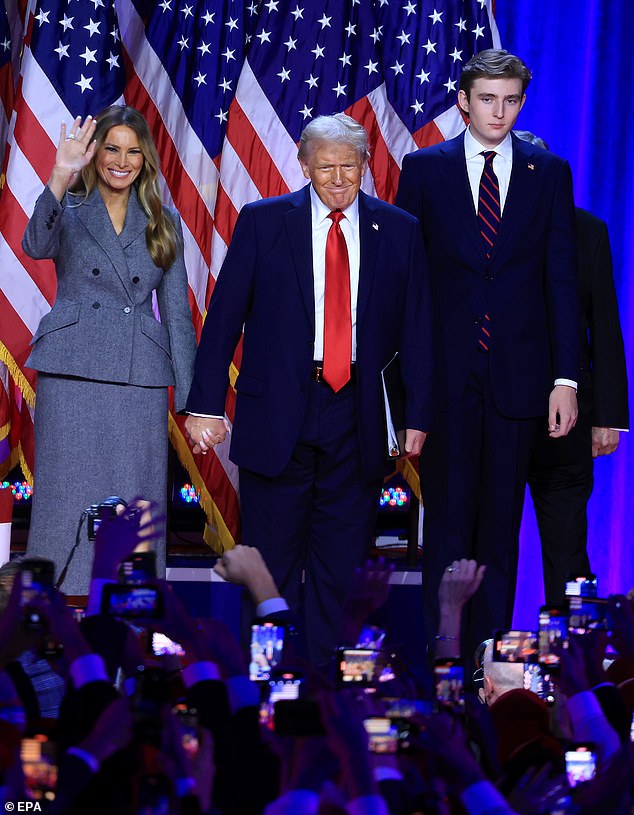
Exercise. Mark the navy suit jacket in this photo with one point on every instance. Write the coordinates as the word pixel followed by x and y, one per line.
pixel 266 284
pixel 528 287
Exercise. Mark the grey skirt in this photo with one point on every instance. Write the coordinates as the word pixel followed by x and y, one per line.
pixel 92 440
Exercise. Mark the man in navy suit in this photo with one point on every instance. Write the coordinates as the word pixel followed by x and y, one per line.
pixel 498 223
pixel 311 449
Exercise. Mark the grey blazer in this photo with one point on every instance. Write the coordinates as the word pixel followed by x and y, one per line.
pixel 102 326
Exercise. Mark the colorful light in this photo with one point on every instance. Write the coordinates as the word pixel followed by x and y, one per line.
pixel 21 490
pixel 396 497
pixel 190 494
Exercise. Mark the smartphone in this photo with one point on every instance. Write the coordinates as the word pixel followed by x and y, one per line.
pixel 38 578
pixel 189 727
pixel 39 765
pixel 285 686
pixel 382 734
pixel 161 645
pixel 359 666
pixel 515 646
pixel 371 636
pixel 540 681
pixel 151 693
pixel 449 677
pixel 266 650
pixel 131 602
pixel 582 586
pixel 139 567
pixel 588 614
pixel 581 763
pixel 553 635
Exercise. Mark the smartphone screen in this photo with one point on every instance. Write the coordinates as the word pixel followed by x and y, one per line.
pixel 382 734
pixel 285 687
pixel 589 614
pixel 581 586
pixel 39 765
pixel 581 764
pixel 449 676
pixel 553 635
pixel 515 646
pixel 131 601
pixel 266 650
pixel 358 666
pixel 538 680
pixel 138 567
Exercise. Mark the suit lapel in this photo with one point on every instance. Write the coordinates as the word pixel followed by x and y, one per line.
pixel 522 192
pixel 370 234
pixel 456 187
pixel 297 221
pixel 94 216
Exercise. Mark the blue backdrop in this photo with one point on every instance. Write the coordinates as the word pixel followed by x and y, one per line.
pixel 580 54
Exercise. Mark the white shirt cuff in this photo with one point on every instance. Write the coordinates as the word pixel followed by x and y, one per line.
pixel 199 672
pixel 569 382
pixel 271 606
pixel 205 415
pixel 294 802
pixel 88 668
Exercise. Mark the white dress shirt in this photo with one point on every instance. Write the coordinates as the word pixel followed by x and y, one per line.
pixel 321 224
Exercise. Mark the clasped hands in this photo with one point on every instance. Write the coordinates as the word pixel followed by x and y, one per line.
pixel 205 432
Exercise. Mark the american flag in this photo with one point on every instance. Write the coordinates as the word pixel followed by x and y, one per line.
pixel 227 86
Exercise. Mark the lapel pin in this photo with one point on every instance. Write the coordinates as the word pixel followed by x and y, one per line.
pixel 375 225
pixel 531 166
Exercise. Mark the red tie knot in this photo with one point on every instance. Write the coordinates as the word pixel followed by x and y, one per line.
pixel 336 216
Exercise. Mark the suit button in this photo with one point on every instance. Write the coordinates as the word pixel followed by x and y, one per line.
pixel 127 310
pixel 136 279
pixel 96 305
pixel 95 272
pixel 489 277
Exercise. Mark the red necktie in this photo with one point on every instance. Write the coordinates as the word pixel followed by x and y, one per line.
pixel 337 319
pixel 489 215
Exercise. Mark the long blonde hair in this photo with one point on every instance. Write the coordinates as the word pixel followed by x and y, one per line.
pixel 160 234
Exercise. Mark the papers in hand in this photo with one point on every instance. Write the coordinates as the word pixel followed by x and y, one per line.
pixel 394 404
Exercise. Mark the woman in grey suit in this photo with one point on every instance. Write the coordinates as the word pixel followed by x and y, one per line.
pixel 104 361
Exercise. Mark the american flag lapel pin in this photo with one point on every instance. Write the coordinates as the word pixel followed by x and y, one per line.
pixel 375 225
pixel 531 166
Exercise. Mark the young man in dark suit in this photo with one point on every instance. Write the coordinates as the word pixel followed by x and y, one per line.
pixel 308 434
pixel 497 217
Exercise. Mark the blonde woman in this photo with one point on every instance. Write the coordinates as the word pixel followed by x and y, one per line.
pixel 104 360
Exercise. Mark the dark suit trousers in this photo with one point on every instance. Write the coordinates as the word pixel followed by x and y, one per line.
pixel 561 480
pixel 473 476
pixel 313 523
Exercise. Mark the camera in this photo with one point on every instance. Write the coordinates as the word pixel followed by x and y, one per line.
pixel 38 577
pixel 515 646
pixel 97 513
pixel 132 602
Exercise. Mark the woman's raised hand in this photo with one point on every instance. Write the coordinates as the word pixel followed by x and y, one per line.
pixel 76 146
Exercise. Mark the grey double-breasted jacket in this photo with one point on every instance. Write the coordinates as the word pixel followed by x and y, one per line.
pixel 102 325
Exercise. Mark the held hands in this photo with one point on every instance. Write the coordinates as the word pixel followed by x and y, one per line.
pixel 75 150
pixel 562 411
pixel 205 432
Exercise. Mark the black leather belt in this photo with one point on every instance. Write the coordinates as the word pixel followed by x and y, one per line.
pixel 317 372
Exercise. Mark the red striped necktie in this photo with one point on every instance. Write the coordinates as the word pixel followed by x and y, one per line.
pixel 337 317
pixel 489 215
pixel 489 211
